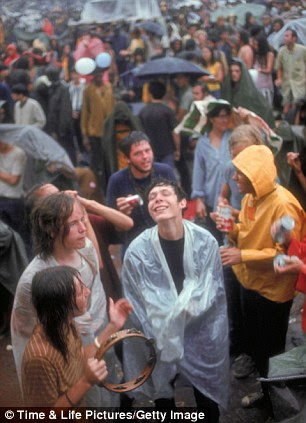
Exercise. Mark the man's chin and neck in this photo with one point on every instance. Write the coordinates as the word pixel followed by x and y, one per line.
pixel 171 228
pixel 139 173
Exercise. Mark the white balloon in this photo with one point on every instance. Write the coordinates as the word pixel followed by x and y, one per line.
pixel 85 66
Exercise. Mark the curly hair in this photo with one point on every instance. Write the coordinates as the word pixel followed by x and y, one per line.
pixel 49 220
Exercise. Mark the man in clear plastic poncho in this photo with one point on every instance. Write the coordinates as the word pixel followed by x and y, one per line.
pixel 173 277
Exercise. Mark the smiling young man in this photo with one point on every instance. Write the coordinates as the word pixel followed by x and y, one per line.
pixel 59 231
pixel 134 180
pixel 173 278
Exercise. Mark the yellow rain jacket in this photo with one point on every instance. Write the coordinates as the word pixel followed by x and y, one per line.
pixel 252 235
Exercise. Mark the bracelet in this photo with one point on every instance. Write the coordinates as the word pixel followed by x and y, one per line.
pixel 97 343
pixel 69 400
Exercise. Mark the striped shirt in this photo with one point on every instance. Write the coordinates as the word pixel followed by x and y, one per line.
pixel 45 374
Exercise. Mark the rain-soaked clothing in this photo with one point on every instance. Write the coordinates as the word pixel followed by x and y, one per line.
pixel 252 234
pixel 190 329
pixel 90 324
pixel 245 94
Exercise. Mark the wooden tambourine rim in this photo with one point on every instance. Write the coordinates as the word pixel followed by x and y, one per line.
pixel 146 372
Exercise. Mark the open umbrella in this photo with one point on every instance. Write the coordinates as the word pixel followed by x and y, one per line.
pixel 35 143
pixel 170 66
pixel 153 27
pixel 43 153
pixel 299 25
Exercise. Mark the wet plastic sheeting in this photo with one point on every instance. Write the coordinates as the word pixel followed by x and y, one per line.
pixel 287 385
pixel 100 11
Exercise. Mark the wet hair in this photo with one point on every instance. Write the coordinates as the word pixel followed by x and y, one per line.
pixel 263 49
pixel 245 135
pixel 190 45
pixel 213 59
pixel 32 195
pixel 263 45
pixel 54 298
pixel 244 36
pixel 293 32
pixel 52 73
pixel 135 137
pixel 161 182
pixel 20 89
pixel 157 89
pixel 278 20
pixel 217 109
pixel 49 216
pixel 203 86
pixel 248 17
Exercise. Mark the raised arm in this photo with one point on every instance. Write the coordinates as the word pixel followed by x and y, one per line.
pixel 121 221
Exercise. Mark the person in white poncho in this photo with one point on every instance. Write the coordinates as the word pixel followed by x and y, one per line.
pixel 172 275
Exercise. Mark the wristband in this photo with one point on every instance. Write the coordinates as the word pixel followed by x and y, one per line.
pixel 69 400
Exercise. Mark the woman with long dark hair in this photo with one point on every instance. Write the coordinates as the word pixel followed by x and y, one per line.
pixel 264 63
pixel 56 371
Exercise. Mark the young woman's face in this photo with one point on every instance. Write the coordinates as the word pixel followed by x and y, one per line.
pixel 222 121
pixel 206 54
pixel 235 73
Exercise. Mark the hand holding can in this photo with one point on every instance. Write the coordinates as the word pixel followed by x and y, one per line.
pixel 134 200
pixel 225 224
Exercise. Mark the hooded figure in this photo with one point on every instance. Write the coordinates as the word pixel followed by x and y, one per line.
pixel 117 126
pixel 241 92
pixel 269 202
pixel 266 297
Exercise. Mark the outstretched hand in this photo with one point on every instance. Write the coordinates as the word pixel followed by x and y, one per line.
pixel 119 311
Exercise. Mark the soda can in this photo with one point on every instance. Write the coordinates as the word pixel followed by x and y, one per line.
pixel 286 224
pixel 226 213
pixel 280 260
pixel 134 200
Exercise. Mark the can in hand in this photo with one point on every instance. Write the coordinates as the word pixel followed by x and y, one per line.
pixel 280 260
pixel 134 200
pixel 286 224
pixel 226 213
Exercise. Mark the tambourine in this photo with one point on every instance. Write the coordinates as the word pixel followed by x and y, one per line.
pixel 146 372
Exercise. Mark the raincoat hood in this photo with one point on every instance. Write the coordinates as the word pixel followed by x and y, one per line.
pixel 257 164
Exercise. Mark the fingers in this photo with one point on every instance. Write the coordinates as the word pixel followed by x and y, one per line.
pixel 124 206
pixel 97 369
pixel 124 305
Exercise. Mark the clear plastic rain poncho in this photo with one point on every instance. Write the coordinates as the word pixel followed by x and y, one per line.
pixel 191 329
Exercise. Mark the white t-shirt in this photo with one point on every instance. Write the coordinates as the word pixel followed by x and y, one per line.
pixel 13 163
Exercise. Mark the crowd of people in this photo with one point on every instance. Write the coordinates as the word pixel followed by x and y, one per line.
pixel 144 153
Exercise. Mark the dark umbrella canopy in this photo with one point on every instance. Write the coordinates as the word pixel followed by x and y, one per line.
pixel 169 66
pixel 153 27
